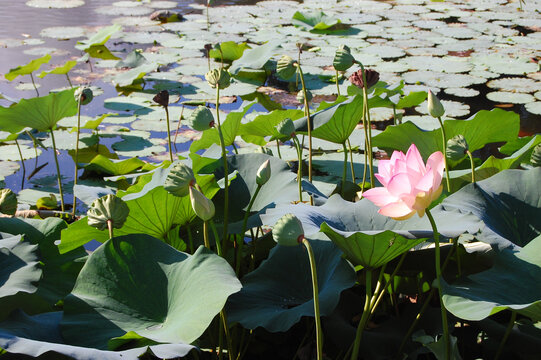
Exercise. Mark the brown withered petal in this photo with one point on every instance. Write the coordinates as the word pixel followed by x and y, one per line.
pixel 372 77
pixel 162 98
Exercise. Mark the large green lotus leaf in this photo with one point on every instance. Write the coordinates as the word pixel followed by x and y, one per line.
pixel 314 21
pixel 29 68
pixel 136 283
pixel 336 123
pixel 230 128
pixel 508 203
pixel 255 58
pixel 100 52
pixel 231 51
pixel 40 113
pixel 127 78
pixel 278 293
pixel 60 70
pixel 264 125
pixel 40 335
pixel 512 283
pixel 485 127
pixel 103 165
pixel 99 38
pixel 370 250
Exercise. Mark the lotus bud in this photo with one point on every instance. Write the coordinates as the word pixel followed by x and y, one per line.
pixel 372 77
pixel 8 202
pixel 201 205
pixel 105 209
pixel 218 78
pixel 285 68
pixel 535 159
pixel 457 147
pixel 288 231
pixel 162 98
pixel 263 173
pixel 435 108
pixel 263 150
pixel 300 96
pixel 85 94
pixel 179 179
pixel 201 119
pixel 343 59
pixel 286 128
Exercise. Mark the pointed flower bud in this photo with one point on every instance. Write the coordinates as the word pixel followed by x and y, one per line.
pixel 85 94
pixel 263 173
pixel 8 202
pixel 285 67
pixel 108 208
pixel 218 78
pixel 201 205
pixel 179 179
pixel 457 147
pixel 286 128
pixel 162 98
pixel 300 96
pixel 435 108
pixel 372 77
pixel 201 119
pixel 535 159
pixel 343 59
pixel 288 231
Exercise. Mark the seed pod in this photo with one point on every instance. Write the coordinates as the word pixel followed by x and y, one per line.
pixel 201 119
pixel 457 147
pixel 288 231
pixel 300 96
pixel 108 208
pixel 343 59
pixel 372 77
pixel 285 68
pixel 263 173
pixel 85 94
pixel 8 202
pixel 435 108
pixel 162 98
pixel 286 128
pixel 218 78
pixel 179 179
pixel 201 205
pixel 535 159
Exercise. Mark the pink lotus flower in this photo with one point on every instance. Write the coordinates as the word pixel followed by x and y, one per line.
pixel 409 186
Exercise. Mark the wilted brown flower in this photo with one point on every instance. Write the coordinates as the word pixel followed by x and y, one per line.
pixel 372 77
pixel 162 98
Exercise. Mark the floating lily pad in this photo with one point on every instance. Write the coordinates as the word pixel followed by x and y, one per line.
pixel 123 10
pixel 127 103
pixel 461 92
pixel 534 107
pixel 65 140
pixel 506 65
pixel 11 152
pixel 515 84
pixel 63 32
pixel 510 97
pixel 8 168
pixel 55 4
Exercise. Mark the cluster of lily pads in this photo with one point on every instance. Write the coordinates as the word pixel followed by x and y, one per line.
pixel 265 239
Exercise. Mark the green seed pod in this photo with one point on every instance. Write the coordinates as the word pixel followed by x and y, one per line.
pixel 263 150
pixel 535 159
pixel 179 179
pixel 286 128
pixel 201 205
pixel 8 202
pixel 263 173
pixel 201 119
pixel 162 98
pixel 457 147
pixel 285 68
pixel 288 231
pixel 218 78
pixel 343 59
pixel 300 96
pixel 435 108
pixel 108 207
pixel 85 94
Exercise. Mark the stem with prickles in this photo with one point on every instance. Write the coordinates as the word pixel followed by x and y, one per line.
pixel 319 334
pixel 309 124
pixel 22 163
pixel 224 157
pixel 472 165
pixel 57 171
pixel 169 133
pixel 444 141
pixel 77 152
pixel 33 83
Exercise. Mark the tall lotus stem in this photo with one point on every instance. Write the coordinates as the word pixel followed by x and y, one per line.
pixel 168 134
pixel 351 161
pixel 319 334
pixel 244 222
pixel 364 317
pixel 438 282
pixel 22 162
pixel 34 83
pixel 224 157
pixel 69 80
pixel 337 85
pixel 110 228
pixel 299 168
pixel 369 126
pixel 206 234
pixel 345 169
pixel 77 153
pixel 309 124
pixel 472 165
pixel 506 335
pixel 444 141
pixel 57 171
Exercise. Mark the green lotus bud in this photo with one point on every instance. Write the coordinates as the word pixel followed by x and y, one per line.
pixel 47 202
pixel 263 173
pixel 457 147
pixel 218 78
pixel 300 96
pixel 201 119
pixel 285 68
pixel 162 98
pixel 201 205
pixel 179 179
pixel 85 94
pixel 108 208
pixel 343 59
pixel 535 159
pixel 286 128
pixel 263 150
pixel 8 202
pixel 288 231
pixel 435 108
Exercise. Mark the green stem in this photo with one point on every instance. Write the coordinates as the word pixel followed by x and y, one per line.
pixel 439 278
pixel 444 143
pixel 206 235
pixel 77 152
pixel 319 334
pixel 208 19
pixel 364 317
pixel 472 166
pixel 168 133
pixel 345 168
pixel 506 335
pixel 244 222
pixel 369 126
pixel 230 354
pixel 33 83
pixel 379 296
pixel 190 237
pixel 366 145
pixel 57 171
pixel 299 167
pixel 278 148
pixel 351 161
pixel 337 86
pixel 22 162
pixel 224 157
pixel 216 238
pixel 69 81
pixel 110 228
pixel 394 115
pixel 309 125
